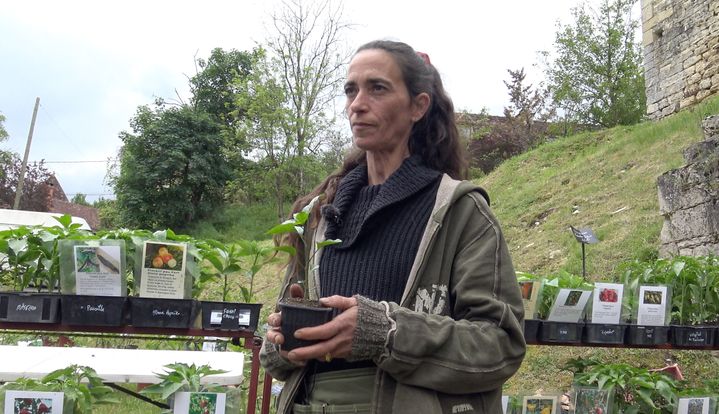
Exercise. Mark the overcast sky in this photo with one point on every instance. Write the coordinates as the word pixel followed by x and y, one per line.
pixel 92 63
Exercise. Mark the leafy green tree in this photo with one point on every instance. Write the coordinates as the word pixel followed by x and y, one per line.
pixel 596 77
pixel 5 156
pixel 35 192
pixel 172 168
pixel 80 198
pixel 108 213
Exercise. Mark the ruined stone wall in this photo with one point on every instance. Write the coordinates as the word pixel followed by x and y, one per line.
pixel 681 53
pixel 689 199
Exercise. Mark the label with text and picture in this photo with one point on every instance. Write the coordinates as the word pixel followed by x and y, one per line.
pixel 569 305
pixel 163 270
pixel 97 270
pixel 652 310
pixel 607 303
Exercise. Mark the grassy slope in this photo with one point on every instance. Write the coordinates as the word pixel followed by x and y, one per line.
pixel 606 181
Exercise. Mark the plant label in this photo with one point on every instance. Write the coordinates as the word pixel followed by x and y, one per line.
pixel 539 404
pixel 530 293
pixel 33 402
pixel 163 270
pixel 652 309
pixel 505 403
pixel 199 403
pixel 607 303
pixel 592 400
pixel 694 405
pixel 97 270
pixel 569 305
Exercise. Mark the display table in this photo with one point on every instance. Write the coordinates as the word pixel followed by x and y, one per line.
pixel 137 366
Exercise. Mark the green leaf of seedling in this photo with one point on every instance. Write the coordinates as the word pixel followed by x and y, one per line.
pixel 287 226
pixel 214 261
pixel 677 267
pixel 300 230
pixel 65 220
pixel 301 217
pixel 328 242
pixel 232 268
pixel 17 245
pixel 287 249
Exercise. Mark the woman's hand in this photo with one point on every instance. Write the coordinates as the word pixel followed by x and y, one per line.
pixel 274 334
pixel 335 336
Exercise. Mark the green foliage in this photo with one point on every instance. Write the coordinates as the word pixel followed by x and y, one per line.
pixel 596 77
pixel 637 390
pixel 35 192
pixel 172 168
pixel 551 287
pixel 236 222
pixel 183 377
pixel 79 198
pixel 29 255
pixel 694 283
pixel 83 389
pixel 108 213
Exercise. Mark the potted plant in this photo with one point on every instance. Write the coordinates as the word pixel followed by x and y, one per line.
pixel 302 312
pixel 165 274
pixel 649 292
pixel 29 265
pixel 80 387
pixel 636 390
pixel 181 378
pixel 224 261
pixel 607 315
pixel 561 308
pixel 93 281
pixel 530 287
pixel 695 300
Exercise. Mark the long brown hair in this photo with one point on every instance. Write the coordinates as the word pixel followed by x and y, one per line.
pixel 435 137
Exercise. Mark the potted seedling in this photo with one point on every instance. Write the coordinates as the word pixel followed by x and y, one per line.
pixel 561 308
pixel 222 261
pixel 93 281
pixel 75 389
pixel 607 315
pixel 182 386
pixel 29 265
pixel 307 310
pixel 530 286
pixel 695 300
pixel 165 273
pixel 650 293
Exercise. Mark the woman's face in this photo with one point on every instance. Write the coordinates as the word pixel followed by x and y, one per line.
pixel 379 108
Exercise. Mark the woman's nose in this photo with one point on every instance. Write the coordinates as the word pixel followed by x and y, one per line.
pixel 359 103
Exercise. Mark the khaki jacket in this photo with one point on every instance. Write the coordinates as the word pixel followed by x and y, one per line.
pixel 456 336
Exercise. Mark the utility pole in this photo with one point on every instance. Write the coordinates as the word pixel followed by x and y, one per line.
pixel 21 181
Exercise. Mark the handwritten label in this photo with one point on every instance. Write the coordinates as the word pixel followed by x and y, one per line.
pixel 608 332
pixel 24 307
pixel 98 308
pixel 165 313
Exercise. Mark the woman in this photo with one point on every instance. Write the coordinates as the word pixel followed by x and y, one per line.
pixel 429 312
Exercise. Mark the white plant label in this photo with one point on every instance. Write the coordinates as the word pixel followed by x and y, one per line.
pixel 652 305
pixel 569 305
pixel 607 303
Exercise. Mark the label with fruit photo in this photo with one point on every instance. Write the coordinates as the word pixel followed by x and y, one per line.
pixel 607 303
pixel 33 402
pixel 695 405
pixel 199 403
pixel 652 305
pixel 97 270
pixel 163 270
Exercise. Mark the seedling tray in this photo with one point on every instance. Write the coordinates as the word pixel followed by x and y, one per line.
pixel 230 316
pixel 93 310
pixel 29 307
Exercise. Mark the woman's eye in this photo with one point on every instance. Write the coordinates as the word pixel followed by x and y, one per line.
pixel 378 88
pixel 349 91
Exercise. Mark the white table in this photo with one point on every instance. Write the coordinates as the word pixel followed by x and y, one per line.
pixel 115 365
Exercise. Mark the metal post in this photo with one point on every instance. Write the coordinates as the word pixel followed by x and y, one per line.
pixel 254 344
pixel 23 168
pixel 584 264
pixel 266 394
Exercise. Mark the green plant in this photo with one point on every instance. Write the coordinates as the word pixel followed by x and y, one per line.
pixel 551 287
pixel 83 389
pixel 637 390
pixel 29 254
pixel 297 225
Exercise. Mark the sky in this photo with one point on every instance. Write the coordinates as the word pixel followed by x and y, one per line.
pixel 92 63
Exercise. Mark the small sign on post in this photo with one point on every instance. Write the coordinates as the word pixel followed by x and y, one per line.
pixel 584 236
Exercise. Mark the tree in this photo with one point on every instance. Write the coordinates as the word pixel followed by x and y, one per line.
pixel 35 192
pixel 526 103
pixel 309 58
pixel 5 156
pixel 80 198
pixel 596 77
pixel 172 168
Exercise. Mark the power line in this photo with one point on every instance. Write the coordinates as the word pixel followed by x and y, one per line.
pixel 74 162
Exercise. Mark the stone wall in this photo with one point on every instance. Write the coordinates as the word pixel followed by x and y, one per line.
pixel 689 199
pixel 681 53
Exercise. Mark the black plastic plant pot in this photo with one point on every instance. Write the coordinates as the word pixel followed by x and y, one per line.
pixel 301 315
pixel 93 310
pixel 230 316
pixel 531 330
pixel 29 307
pixel 600 333
pixel 647 335
pixel 162 313
pixel 561 332
pixel 693 336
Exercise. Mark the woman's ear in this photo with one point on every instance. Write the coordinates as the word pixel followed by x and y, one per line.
pixel 420 105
